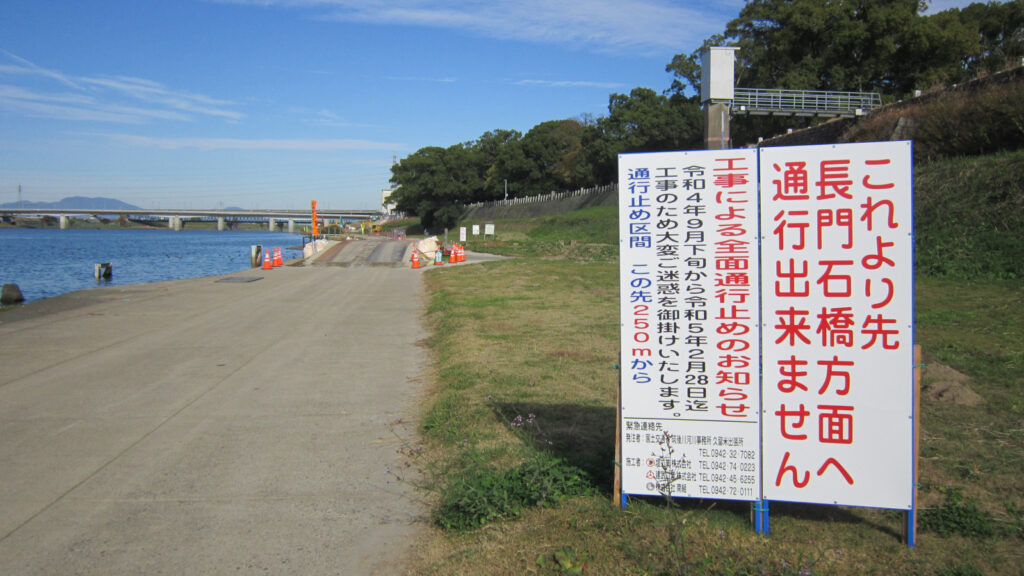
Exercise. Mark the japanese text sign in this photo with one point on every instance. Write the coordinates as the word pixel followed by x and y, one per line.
pixel 837 324
pixel 767 333
pixel 689 285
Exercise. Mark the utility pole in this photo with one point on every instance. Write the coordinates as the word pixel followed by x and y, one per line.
pixel 506 188
pixel 21 205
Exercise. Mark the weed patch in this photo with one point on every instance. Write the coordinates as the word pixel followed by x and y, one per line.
pixel 957 516
pixel 449 419
pixel 481 493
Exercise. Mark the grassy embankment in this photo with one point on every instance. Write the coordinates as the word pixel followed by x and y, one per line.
pixel 518 430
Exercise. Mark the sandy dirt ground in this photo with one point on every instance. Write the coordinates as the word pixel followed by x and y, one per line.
pixel 240 424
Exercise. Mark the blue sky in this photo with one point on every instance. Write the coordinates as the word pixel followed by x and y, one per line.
pixel 273 103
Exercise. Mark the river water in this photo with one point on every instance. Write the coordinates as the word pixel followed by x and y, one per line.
pixel 47 262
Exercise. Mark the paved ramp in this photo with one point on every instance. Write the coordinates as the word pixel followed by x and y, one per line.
pixel 369 251
pixel 204 427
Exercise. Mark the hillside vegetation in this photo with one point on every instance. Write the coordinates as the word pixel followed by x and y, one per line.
pixel 968 220
pixel 518 435
pixel 969 217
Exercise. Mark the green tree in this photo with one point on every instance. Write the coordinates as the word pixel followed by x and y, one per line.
pixel 863 45
pixel 822 45
pixel 489 147
pixel 1000 35
pixel 435 183
pixel 854 45
pixel 548 158
pixel 643 121
pixel 931 51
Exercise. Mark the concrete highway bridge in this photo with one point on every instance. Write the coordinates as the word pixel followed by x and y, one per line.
pixel 175 217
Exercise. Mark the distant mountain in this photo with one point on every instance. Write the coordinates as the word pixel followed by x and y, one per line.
pixel 75 203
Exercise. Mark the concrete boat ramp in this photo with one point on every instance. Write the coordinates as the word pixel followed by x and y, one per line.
pixel 210 427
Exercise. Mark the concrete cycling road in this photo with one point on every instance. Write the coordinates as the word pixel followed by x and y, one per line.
pixel 212 425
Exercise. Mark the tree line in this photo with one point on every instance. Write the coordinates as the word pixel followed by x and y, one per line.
pixel 883 46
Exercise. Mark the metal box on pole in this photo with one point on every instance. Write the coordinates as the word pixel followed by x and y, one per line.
pixel 717 65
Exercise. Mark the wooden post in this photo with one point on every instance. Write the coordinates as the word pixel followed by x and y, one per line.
pixel 104 271
pixel 910 526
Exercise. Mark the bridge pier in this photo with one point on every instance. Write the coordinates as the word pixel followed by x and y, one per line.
pixel 291 226
pixel 271 225
pixel 174 223
pixel 63 222
pixel 220 224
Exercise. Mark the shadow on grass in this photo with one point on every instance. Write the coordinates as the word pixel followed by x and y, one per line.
pixel 584 437
pixel 581 436
pixel 835 515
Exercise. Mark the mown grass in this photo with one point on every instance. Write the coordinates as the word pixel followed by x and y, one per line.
pixel 590 234
pixel 969 217
pixel 526 352
pixel 972 456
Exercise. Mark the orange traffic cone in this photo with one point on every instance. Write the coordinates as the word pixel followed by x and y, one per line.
pixel 461 254
pixel 415 260
pixel 266 260
pixel 278 259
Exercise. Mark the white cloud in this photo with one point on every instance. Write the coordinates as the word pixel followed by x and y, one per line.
pixel 117 99
pixel 439 80
pixel 155 93
pixel 77 107
pixel 610 25
pixel 251 144
pixel 26 67
pixel 569 84
pixel 325 118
